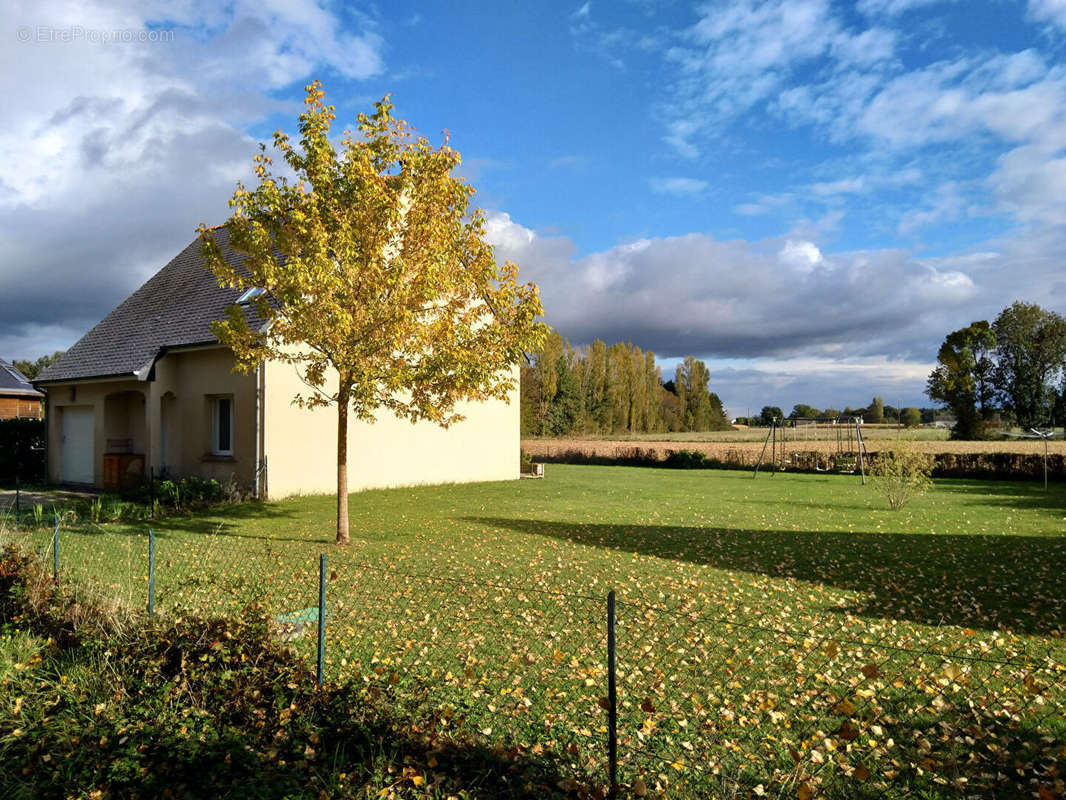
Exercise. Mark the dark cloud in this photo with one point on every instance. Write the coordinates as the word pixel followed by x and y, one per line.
pixel 823 328
pixel 119 152
pixel 695 294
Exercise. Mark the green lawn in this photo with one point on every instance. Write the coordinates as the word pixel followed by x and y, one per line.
pixel 789 630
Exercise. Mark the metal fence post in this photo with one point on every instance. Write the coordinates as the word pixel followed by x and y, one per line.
pixel 612 702
pixel 321 615
pixel 55 552
pixel 151 572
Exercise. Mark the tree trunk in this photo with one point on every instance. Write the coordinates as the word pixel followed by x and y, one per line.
pixel 342 462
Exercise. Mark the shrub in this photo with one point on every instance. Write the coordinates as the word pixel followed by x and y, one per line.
pixel 186 707
pixel 686 459
pixel 186 494
pixel 21 450
pixel 902 473
pixel 912 417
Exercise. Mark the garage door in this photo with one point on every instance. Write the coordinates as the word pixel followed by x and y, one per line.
pixel 77 450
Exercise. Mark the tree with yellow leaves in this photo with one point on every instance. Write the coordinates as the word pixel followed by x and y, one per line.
pixel 377 283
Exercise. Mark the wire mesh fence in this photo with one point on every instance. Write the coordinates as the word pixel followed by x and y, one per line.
pixel 827 705
pixel 522 667
pixel 719 707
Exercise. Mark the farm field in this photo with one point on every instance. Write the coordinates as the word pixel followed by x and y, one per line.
pixel 788 632
pixel 743 434
pixel 744 450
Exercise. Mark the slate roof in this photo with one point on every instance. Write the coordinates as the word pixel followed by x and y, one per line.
pixel 175 307
pixel 13 382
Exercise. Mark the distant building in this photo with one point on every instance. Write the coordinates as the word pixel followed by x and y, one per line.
pixel 18 398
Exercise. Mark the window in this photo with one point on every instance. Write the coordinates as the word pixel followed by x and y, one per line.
pixel 222 426
pixel 250 295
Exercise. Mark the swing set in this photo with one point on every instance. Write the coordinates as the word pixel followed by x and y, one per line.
pixel 841 446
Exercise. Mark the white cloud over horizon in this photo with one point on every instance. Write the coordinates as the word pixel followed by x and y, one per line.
pixel 694 294
pixel 822 327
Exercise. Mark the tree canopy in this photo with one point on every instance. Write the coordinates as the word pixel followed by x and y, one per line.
pixel 378 285
pixel 1015 365
pixel 614 388
pixel 1030 348
pixel 31 369
pixel 962 379
pixel 804 411
pixel 770 414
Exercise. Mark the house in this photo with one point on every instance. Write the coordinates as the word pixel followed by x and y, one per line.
pixel 18 398
pixel 150 391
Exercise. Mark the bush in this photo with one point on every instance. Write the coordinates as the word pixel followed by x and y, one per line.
pixel 686 459
pixel 191 707
pixel 912 417
pixel 902 473
pixel 187 494
pixel 21 450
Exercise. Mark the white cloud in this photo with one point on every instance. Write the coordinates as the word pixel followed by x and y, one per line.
pixel 683 187
pixel 744 54
pixel 1013 97
pixel 1029 182
pixel 807 65
pixel 823 382
pixel 1053 11
pixel 892 8
pixel 132 144
pixel 505 234
pixel 856 185
pixel 738 299
pixel 800 256
pixel 763 204
pixel 945 204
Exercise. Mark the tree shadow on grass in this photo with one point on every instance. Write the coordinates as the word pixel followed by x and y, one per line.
pixel 231 521
pixel 1010 494
pixel 991 582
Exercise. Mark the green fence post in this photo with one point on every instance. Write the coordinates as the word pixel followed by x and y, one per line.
pixel 55 552
pixel 151 572
pixel 321 615
pixel 612 701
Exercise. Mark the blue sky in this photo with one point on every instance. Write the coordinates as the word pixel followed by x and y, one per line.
pixel 808 194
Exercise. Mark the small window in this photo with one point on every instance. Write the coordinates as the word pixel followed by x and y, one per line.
pixel 222 426
pixel 250 295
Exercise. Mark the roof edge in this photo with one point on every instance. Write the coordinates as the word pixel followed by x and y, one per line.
pixel 117 376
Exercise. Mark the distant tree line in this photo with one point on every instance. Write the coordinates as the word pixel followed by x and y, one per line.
pixel 31 369
pixel 618 388
pixel 877 412
pixel 1010 370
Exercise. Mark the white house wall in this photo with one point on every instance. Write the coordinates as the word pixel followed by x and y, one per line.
pixel 188 378
pixel 301 445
